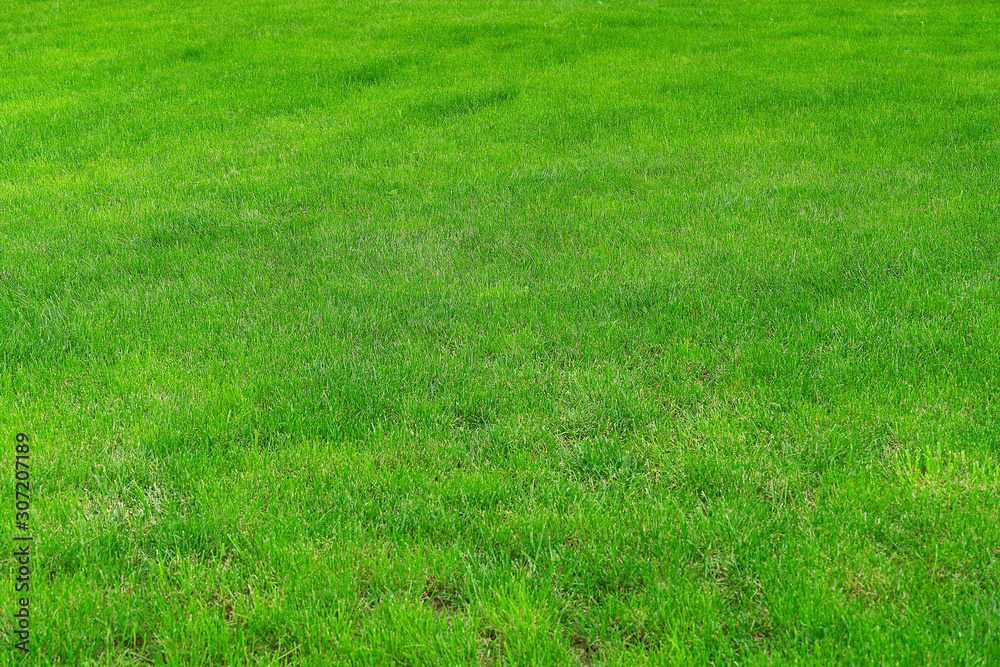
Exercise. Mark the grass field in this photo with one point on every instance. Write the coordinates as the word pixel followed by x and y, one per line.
pixel 496 332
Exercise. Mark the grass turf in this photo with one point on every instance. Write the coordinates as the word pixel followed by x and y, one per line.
pixel 484 331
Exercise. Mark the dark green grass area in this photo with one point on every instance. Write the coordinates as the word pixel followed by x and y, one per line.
pixel 503 332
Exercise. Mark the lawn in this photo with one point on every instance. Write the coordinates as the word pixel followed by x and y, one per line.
pixel 502 332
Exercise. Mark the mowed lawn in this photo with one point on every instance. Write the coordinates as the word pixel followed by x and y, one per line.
pixel 499 332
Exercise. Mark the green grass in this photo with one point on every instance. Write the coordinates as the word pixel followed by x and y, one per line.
pixel 504 332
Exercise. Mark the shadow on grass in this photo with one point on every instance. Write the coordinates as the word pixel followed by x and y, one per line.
pixel 462 104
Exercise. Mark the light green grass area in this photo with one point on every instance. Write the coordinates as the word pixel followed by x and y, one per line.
pixel 503 332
